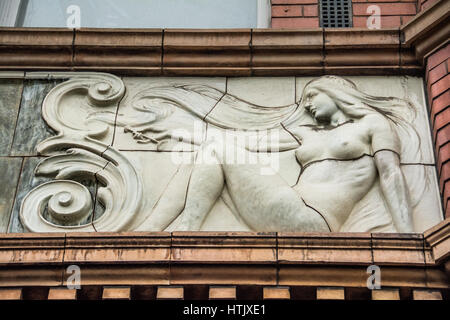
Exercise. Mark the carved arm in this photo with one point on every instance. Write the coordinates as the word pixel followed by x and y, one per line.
pixel 394 189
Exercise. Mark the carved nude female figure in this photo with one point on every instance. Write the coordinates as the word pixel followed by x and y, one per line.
pixel 350 179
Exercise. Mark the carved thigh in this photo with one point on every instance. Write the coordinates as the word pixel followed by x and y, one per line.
pixel 268 203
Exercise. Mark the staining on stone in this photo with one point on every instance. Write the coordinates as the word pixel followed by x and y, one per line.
pixel 10 96
pixel 10 169
pixel 31 129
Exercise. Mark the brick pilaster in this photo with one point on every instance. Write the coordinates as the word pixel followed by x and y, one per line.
pixel 438 83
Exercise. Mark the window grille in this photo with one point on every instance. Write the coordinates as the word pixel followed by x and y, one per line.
pixel 336 14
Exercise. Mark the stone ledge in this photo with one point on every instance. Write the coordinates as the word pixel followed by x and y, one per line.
pixel 207 39
pixel 115 50
pixel 343 38
pixel 438 240
pixel 430 248
pixel 56 38
pixel 221 258
pixel 339 248
pixel 211 52
pixel 120 247
pixel 287 38
pixel 229 52
pixel 29 248
pixel 425 21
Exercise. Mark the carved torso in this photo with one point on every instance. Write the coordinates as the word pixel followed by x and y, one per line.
pixel 344 142
pixel 338 169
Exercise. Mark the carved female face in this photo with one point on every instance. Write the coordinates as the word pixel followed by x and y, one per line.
pixel 320 105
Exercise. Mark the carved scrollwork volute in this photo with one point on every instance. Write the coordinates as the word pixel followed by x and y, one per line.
pixel 77 153
pixel 83 92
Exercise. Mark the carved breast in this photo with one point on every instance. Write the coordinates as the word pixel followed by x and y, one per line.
pixel 346 142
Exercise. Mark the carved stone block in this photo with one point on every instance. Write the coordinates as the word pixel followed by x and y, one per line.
pixel 326 154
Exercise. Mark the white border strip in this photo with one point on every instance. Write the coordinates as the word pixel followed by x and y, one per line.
pixel 9 10
pixel 264 14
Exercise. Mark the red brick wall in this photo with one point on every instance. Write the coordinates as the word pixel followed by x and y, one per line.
pixel 295 14
pixel 438 83
pixel 394 13
pixel 305 13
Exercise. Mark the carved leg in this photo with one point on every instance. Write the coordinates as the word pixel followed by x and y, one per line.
pixel 265 201
pixel 205 186
pixel 189 200
pixel 268 203
pixel 171 203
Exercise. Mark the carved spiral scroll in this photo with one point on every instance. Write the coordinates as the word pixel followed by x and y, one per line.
pixel 68 202
pixel 75 154
pixel 71 203
pixel 97 89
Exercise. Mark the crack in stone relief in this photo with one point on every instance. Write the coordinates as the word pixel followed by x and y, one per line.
pixel 213 154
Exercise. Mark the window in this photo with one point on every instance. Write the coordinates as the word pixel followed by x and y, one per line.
pixel 336 13
pixel 138 13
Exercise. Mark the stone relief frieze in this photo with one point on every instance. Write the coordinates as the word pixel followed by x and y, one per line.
pixel 324 154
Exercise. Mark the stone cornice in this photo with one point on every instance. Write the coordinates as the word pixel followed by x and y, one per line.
pixel 429 30
pixel 224 257
pixel 228 52
pixel 438 240
pixel 240 52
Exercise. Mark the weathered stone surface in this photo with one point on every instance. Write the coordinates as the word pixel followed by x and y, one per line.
pixel 264 91
pixel 138 247
pixel 34 248
pixel 27 181
pixel 10 94
pixel 9 174
pixel 31 128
